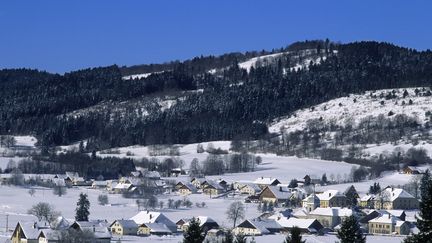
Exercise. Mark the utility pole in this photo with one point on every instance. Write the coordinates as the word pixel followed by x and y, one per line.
pixel 7 223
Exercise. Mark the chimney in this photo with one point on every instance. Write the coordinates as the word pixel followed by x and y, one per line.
pixel 151 216
pixel 329 194
pixel 94 228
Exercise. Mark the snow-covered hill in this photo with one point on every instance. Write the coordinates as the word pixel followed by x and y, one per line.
pixel 356 107
pixel 298 60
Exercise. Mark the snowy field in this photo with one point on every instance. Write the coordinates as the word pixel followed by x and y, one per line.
pixel 282 167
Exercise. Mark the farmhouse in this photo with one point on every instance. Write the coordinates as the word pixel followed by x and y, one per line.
pixel 332 198
pixel 212 188
pixel 26 233
pixel 388 224
pixel 411 170
pixel 250 189
pixel 366 201
pixel 330 217
pixel 275 194
pixel 306 225
pixel 206 223
pixel 262 182
pixel 251 227
pixel 395 198
pixel 153 229
pixel 149 217
pixel 186 189
pixel 311 202
pixel 124 227
pixel 197 182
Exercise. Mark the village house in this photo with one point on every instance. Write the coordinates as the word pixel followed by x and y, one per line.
pixel 275 194
pixel 332 198
pixel 212 188
pixel 146 229
pixel 197 182
pixel 249 189
pixel 251 228
pixel 124 227
pixel 206 223
pixel 151 219
pixel 330 217
pixel 309 226
pixel 186 189
pixel 388 224
pixel 311 202
pixel 26 233
pixel 411 170
pixel 367 201
pixel 395 198
pixel 263 182
pixel 99 185
pixel 100 229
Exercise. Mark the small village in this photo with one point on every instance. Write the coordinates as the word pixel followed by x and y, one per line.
pixel 299 204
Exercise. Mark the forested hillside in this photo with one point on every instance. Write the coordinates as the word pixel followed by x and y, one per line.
pixel 203 105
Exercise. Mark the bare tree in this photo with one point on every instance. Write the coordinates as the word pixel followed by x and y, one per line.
pixel 59 190
pixel 44 211
pixel 235 212
pixel 31 192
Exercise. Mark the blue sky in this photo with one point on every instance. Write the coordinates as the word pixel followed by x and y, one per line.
pixel 60 36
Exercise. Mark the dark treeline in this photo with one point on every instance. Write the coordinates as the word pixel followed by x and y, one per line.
pixel 233 104
pixel 90 167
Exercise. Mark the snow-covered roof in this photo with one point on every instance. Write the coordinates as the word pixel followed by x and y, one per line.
pixel 394 212
pixel 312 198
pixel 366 198
pixel 265 180
pixel 280 192
pixel 202 220
pixel 126 223
pixel 146 217
pixel 334 211
pixel 122 186
pixel 253 186
pixel 255 225
pixel 158 228
pixel 385 219
pixel 295 222
pixel 214 184
pixel 327 195
pixel 301 212
pixel 29 230
pixel 395 193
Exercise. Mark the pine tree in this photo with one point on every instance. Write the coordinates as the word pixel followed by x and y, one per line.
pixel 83 206
pixel 194 233
pixel 350 231
pixel 424 221
pixel 240 238
pixel 229 238
pixel 294 236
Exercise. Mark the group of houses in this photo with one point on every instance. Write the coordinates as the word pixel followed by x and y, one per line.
pixel 55 232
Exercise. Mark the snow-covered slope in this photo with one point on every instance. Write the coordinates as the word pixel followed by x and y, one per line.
pixel 139 76
pixel 358 106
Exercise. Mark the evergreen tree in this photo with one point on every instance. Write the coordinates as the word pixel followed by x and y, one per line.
pixel 424 221
pixel 194 233
pixel 350 231
pixel 83 206
pixel 294 236
pixel 240 238
pixel 229 238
